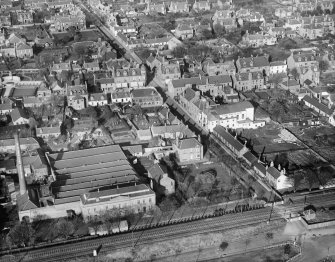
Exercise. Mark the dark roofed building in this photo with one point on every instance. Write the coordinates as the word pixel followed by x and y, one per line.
pixel 147 97
pixel 19 116
pixel 229 141
pixel 253 64
pixel 320 108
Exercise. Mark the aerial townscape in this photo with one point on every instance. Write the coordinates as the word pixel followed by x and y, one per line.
pixel 167 130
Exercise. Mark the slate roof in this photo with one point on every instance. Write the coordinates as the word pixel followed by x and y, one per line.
pixel 188 143
pixel 257 61
pixel 250 157
pixel 128 191
pixel 145 92
pixel 176 83
pixel 78 172
pixel 17 113
pixel 317 104
pixel 231 108
pixel 228 138
pixel 274 172
pixel 159 130
pixel 133 149
pixel 219 79
pixel 189 94
pixel 156 172
pixel 24 202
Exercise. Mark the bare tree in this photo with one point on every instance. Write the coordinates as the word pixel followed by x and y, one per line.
pixel 21 235
pixel 64 228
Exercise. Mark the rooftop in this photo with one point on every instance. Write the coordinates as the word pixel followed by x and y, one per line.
pixel 81 171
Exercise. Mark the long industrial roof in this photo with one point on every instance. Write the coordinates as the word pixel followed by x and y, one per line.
pixel 79 172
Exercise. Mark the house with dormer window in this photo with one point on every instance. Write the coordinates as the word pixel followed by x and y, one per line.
pixel 253 64
pixel 201 5
pixel 77 96
pixel 248 81
pixel 97 99
pixel 179 7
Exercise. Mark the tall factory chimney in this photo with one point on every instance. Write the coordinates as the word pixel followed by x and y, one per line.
pixel 19 164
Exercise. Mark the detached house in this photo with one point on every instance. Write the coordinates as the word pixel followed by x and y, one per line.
pixel 161 179
pixel 188 150
pixel 77 96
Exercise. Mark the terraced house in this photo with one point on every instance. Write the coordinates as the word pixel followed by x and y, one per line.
pixel 61 23
pixel 253 64
pixel 147 97
pixel 248 81
pixel 127 75
pixel 179 7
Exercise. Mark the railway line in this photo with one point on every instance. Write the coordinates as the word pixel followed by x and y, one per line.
pixel 148 236
pixel 163 233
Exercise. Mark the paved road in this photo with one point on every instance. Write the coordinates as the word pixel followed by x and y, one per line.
pixel 89 11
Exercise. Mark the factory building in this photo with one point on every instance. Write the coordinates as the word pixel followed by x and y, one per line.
pixel 82 182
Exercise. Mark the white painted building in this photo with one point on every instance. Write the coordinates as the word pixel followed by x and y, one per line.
pixel 237 115
pixel 278 67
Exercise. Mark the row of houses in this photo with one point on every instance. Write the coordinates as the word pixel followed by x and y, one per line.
pixel 276 177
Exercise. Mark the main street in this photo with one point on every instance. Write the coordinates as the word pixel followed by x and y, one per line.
pixel 88 10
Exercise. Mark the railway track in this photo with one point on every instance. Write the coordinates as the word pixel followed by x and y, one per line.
pixel 148 236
